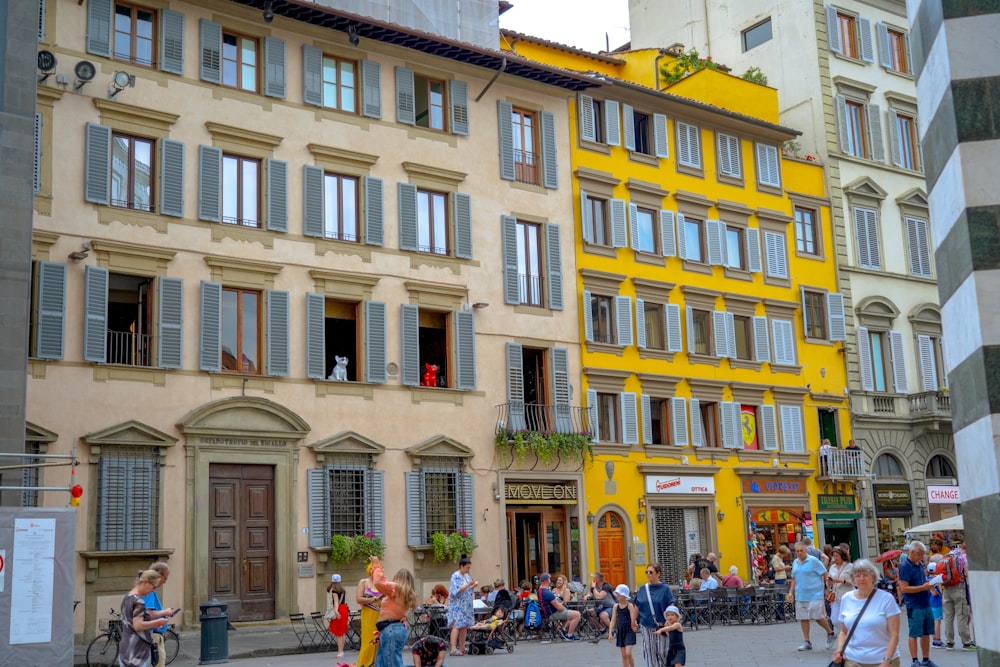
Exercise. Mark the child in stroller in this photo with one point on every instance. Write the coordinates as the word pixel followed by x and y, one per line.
pixel 497 632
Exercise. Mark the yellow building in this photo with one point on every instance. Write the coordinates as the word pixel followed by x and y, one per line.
pixel 712 329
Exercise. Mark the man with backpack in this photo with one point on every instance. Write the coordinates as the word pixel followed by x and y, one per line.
pixel 552 608
pixel 954 602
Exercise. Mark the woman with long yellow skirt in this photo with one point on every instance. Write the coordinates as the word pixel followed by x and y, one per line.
pixel 370 600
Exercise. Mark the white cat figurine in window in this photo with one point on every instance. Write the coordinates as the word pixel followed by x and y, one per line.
pixel 340 370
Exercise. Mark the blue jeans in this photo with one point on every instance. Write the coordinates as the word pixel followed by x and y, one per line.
pixel 390 646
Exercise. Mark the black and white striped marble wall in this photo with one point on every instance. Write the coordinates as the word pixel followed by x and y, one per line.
pixel 955 46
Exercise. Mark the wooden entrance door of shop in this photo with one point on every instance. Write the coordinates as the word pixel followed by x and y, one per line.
pixel 538 542
pixel 241 539
pixel 611 548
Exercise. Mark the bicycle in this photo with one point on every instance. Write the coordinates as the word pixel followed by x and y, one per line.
pixel 103 649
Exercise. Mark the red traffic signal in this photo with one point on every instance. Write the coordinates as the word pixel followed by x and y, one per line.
pixel 76 491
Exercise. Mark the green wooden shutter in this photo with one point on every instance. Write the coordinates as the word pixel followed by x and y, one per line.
pixel 274 67
pixel 553 260
pixel 550 159
pixel 515 387
pixel 561 390
pixel 371 89
pixel 458 94
pixel 466 519
pixel 416 532
pixel 374 225
pixel 315 336
pixel 277 333
pixel 375 359
pixel 209 183
pixel 95 312
pixel 511 279
pixel 210 345
pixel 277 195
pixel 99 27
pixel 171 41
pixel 407 216
pixel 465 349
pixel 211 51
pixel 375 503
pixel 312 201
pixel 410 335
pixel 318 485
pixel 170 348
pixel 312 75
pixel 50 326
pixel 405 97
pixel 505 110
pixel 172 178
pixel 463 225
pixel 97 180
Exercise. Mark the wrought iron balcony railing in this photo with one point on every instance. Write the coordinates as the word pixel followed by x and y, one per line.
pixel 517 416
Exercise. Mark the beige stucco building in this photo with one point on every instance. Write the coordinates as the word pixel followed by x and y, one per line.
pixel 226 210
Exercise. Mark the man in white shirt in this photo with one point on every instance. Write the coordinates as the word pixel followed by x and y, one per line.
pixel 708 582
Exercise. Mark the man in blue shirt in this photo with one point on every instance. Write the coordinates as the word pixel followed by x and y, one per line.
pixel 553 608
pixel 917 598
pixel 808 582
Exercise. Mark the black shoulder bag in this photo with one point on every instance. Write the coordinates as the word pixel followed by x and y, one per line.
pixel 840 663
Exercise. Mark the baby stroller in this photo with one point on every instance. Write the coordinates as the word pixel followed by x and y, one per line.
pixel 497 636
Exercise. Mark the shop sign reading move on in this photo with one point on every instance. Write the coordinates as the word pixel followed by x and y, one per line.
pixel 539 493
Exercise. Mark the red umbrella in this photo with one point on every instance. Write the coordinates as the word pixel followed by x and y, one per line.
pixel 888 555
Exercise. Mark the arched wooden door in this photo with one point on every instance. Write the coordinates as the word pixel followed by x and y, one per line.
pixel 611 555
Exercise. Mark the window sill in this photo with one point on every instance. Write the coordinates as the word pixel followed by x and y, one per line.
pixel 712 453
pixel 437 395
pixel 697 172
pixel 529 187
pixel 453 264
pixel 772 280
pixel 818 341
pixel 738 274
pixel 139 558
pixel 810 255
pixel 595 146
pixel 704 359
pixel 610 448
pixel 902 75
pixel 770 189
pixel 730 180
pixel 696 267
pixel 43 204
pixel 757 455
pixel 644 257
pixel 223 380
pixel 745 364
pixel 533 310
pixel 607 348
pixel 150 375
pixel 336 246
pixel 653 353
pixel 597 249
pixel 644 158
pixel 108 214
pixel 221 231
pixel 780 368
pixel 37 367
pixel 335 388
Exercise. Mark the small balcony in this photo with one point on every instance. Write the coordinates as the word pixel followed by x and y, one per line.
pixel 840 464
pixel 548 434
pixel 935 404
pixel 129 349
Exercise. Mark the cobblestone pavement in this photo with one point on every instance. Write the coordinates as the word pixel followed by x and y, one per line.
pixel 722 646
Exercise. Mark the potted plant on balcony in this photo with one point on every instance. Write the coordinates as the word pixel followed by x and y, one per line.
pixel 546 444
pixel 451 546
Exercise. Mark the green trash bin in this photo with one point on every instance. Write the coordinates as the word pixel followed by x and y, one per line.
pixel 214 632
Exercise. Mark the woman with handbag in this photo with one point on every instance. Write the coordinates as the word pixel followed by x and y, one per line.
pixel 839 580
pixel 136 646
pixel 337 614
pixel 869 623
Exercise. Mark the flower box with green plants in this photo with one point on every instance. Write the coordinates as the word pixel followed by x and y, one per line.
pixel 345 549
pixel 546 445
pixel 452 546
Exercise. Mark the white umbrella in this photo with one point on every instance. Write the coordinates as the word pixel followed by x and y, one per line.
pixel 951 523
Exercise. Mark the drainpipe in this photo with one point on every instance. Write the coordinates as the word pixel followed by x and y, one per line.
pixel 496 75
pixel 656 69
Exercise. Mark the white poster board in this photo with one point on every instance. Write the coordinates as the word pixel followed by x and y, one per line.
pixel 32 573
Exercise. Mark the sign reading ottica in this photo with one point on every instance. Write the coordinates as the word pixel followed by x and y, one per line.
pixel 943 495
pixel 680 484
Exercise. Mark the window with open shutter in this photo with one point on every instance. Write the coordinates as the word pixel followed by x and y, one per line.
pixel 98 164
pixel 374 225
pixel 407 216
pixel 463 225
pixel 315 336
pixel 865 359
pixel 209 183
pixel 210 344
pixel 95 325
pixel 553 261
pixel 550 156
pixel 277 195
pixel 99 27
pixel 511 268
pixel 211 51
pixel 593 415
pixel 405 96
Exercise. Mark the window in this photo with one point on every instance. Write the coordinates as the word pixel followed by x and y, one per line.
pixel 30 477
pixel 432 222
pixel 855 137
pixel 596 115
pixel 706 420
pixel 688 145
pixel 814 314
pixel 602 315
pixel 613 417
pixel 336 339
pixel 893 48
pixel 887 466
pixel 657 324
pixel 872 349
pixel 768 165
pixel 646 236
pixel 340 207
pixel 135 34
pixel 847 29
pixel 600 121
pixel 239 61
pixel 806 233
pixel 939 467
pixel 654 325
pixel 608 417
pixel 439 499
pixel 756 35
pixel 346 497
pixel 538 390
pixel 525 157
pixel 132 172
pixel 792 433
pixel 241 331
pixel 734 248
pixel 240 191
pixel 128 498
pixel 595 219
pixel 130 320
pixel 340 335
pixel 744 336
pixel 691 238
pixel 641 130
pixel 699 332
pixel 866 238
pixel 659 421
pixel 905 146
pixel 529 264
pixel 340 86
pixel 775 255
pixel 645 133
pixel 438 348
pixel 730 163
pixel 931 357
pixel 429 102
pixel 919 247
